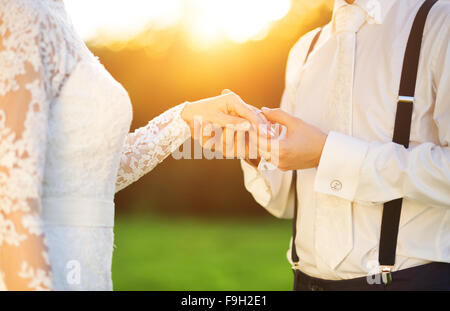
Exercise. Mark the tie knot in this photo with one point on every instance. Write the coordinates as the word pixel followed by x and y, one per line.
pixel 349 18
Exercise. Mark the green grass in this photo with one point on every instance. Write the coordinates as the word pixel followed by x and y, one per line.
pixel 161 253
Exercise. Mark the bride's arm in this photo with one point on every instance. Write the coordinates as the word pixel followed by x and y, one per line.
pixel 151 144
pixel 23 118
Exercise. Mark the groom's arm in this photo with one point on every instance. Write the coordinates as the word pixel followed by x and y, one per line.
pixel 272 189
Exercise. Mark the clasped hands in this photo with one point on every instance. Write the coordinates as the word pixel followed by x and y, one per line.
pixel 226 125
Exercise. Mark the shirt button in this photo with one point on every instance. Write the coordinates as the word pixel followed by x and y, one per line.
pixel 336 185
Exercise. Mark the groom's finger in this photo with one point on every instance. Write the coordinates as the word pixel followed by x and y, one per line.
pixel 279 116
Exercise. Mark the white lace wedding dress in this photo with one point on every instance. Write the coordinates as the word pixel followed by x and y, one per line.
pixel 64 150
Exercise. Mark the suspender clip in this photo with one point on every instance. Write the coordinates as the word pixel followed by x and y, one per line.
pixel 406 99
pixel 295 266
pixel 386 274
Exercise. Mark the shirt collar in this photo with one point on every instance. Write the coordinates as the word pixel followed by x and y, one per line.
pixel 376 10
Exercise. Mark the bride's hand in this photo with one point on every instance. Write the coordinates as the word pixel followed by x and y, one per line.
pixel 224 110
pixel 222 118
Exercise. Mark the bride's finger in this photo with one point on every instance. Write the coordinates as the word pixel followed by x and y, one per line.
pixel 207 136
pixel 263 143
pixel 226 91
pixel 240 145
pixel 226 120
pixel 236 105
pixel 228 142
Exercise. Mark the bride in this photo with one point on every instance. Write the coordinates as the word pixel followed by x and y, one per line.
pixel 65 150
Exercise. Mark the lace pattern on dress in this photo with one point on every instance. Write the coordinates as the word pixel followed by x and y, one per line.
pixel 35 60
pixel 149 145
pixel 39 50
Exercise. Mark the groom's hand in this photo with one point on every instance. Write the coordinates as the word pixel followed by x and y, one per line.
pixel 225 110
pixel 225 122
pixel 301 147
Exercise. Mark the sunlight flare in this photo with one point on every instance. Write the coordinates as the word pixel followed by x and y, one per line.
pixel 207 21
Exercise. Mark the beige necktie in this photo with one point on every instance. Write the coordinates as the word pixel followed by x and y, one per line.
pixel 334 236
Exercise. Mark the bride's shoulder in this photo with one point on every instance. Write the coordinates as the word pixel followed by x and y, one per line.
pixel 43 17
pixel 27 26
pixel 35 32
pixel 20 19
pixel 22 12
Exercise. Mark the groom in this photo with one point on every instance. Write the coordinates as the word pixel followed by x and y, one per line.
pixel 338 172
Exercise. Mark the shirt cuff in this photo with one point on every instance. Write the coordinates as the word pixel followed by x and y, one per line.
pixel 340 165
pixel 256 183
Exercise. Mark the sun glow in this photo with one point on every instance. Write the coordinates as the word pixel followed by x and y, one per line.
pixel 207 21
pixel 120 19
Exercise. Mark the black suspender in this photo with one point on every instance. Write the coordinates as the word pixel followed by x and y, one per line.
pixel 402 128
pixel 391 210
pixel 294 255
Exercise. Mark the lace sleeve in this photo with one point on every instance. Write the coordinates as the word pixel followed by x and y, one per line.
pixel 24 99
pixel 151 144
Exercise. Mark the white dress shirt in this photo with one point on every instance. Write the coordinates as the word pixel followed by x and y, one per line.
pixel 367 168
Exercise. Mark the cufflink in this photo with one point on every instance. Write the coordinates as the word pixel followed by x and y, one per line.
pixel 336 185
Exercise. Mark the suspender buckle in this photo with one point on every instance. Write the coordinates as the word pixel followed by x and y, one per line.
pixel 295 266
pixel 386 274
pixel 406 99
